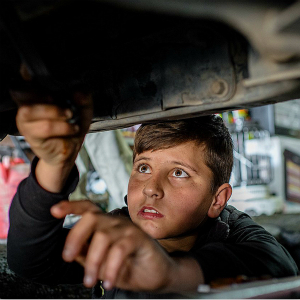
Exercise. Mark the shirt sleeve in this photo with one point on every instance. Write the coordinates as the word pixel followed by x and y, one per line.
pixel 249 250
pixel 35 238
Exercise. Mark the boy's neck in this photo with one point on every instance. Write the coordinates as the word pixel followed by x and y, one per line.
pixel 183 243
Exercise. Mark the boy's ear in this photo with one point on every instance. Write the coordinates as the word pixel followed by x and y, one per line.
pixel 219 201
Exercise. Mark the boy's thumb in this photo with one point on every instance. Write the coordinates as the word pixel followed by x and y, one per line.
pixel 63 208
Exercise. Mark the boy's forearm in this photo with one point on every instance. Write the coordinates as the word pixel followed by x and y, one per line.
pixel 52 178
pixel 31 222
pixel 185 277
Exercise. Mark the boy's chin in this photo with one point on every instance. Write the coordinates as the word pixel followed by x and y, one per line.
pixel 154 233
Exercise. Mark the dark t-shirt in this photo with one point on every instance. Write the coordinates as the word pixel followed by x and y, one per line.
pixel 228 246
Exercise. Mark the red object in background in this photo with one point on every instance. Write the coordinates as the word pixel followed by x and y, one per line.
pixel 4 172
pixel 12 172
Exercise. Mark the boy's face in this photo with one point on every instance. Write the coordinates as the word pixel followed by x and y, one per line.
pixel 169 191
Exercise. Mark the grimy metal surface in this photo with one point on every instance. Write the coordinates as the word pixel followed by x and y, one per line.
pixel 286 288
pixel 152 60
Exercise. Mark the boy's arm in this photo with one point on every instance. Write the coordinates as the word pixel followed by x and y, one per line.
pixel 35 239
pixel 53 139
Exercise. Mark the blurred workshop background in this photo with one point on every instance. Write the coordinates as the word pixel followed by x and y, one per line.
pixel 265 178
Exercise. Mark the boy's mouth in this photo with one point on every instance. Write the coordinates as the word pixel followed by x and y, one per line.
pixel 149 213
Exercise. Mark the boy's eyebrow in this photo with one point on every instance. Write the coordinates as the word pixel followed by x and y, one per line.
pixel 172 161
pixel 184 165
pixel 142 158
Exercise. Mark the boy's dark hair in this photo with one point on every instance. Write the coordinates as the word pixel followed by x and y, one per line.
pixel 208 131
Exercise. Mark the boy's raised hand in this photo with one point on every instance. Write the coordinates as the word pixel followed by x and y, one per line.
pixel 118 252
pixel 53 139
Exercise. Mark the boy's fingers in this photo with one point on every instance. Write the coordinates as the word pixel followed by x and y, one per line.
pixel 63 208
pixel 43 111
pixel 79 235
pixel 96 255
pixel 116 259
pixel 35 99
pixel 83 103
pixel 44 129
pixel 80 259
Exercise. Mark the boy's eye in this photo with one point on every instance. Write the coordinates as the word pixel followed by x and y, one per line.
pixel 143 169
pixel 180 173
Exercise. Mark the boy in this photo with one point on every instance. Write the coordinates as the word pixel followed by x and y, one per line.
pixel 176 233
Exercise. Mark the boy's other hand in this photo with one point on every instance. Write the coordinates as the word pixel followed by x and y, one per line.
pixel 54 139
pixel 116 251
pixel 46 128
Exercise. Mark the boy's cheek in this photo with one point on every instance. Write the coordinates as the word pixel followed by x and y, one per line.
pixel 135 185
pixel 133 194
pixel 137 177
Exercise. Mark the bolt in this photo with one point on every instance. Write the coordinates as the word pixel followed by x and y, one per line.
pixel 219 87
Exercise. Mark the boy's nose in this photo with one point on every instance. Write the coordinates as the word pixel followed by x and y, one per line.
pixel 153 188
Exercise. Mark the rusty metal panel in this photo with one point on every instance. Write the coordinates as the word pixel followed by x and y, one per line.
pixel 200 73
